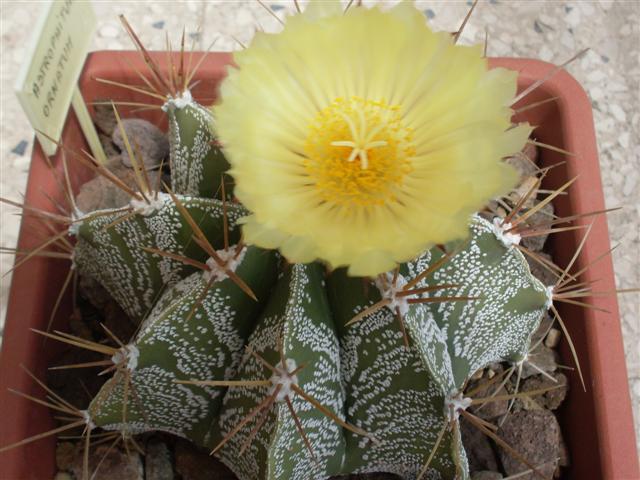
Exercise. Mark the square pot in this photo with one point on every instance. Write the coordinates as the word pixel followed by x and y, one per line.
pixel 597 424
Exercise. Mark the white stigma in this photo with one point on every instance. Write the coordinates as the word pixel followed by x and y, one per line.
pixel 282 378
pixel 361 140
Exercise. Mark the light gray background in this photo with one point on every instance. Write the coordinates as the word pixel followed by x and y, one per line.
pixel 550 30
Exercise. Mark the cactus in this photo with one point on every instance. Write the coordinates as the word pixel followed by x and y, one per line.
pixel 291 370
pixel 288 370
pixel 378 373
pixel 197 161
pixel 112 250
pixel 177 342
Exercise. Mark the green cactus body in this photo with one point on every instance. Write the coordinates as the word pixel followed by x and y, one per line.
pixel 134 277
pixel 197 162
pixel 298 314
pixel 369 402
pixel 192 332
pixel 510 302
pixel 390 391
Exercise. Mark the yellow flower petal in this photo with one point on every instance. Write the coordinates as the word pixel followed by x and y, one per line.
pixel 363 138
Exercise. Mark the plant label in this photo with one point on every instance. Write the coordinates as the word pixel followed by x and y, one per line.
pixel 48 81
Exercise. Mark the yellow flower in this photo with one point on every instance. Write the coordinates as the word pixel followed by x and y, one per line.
pixel 363 138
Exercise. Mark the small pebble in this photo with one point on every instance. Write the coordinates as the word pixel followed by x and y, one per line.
pixel 553 338
pixel 536 436
pixel 104 118
pixel 491 409
pixel 542 357
pixel 636 388
pixel 522 190
pixel 537 27
pixel 624 139
pixel 109 31
pixel 193 463
pixel 542 330
pixel 486 475
pixel 65 451
pixel 564 453
pixel 542 272
pixel 159 25
pixel 151 142
pixel 20 148
pixel 478 448
pixel 114 464
pixel 546 53
pixel 629 185
pixel 157 461
pixel 99 193
pixel 551 399
pixel 618 112
pixel 525 161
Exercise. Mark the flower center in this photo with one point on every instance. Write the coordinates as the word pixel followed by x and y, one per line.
pixel 358 152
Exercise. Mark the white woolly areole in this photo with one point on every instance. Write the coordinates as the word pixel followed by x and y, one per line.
pixel 74 229
pixel 230 260
pixel 284 379
pixel 181 101
pixel 145 209
pixel 76 217
pixel 549 290
pixel 501 232
pixel 454 405
pixel 128 354
pixel 87 419
pixel 389 291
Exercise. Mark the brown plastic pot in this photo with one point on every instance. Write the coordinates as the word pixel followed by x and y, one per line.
pixel 597 423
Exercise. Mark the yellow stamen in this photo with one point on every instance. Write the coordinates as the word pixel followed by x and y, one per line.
pixel 370 131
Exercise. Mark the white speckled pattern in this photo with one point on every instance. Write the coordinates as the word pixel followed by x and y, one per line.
pixel 551 30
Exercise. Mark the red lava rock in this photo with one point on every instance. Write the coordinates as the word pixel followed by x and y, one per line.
pixel 551 399
pixel 486 475
pixel 535 435
pixel 152 144
pixel 478 448
pixel 525 161
pixel 116 464
pixel 157 461
pixel 65 452
pixel 99 193
pixel 194 463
